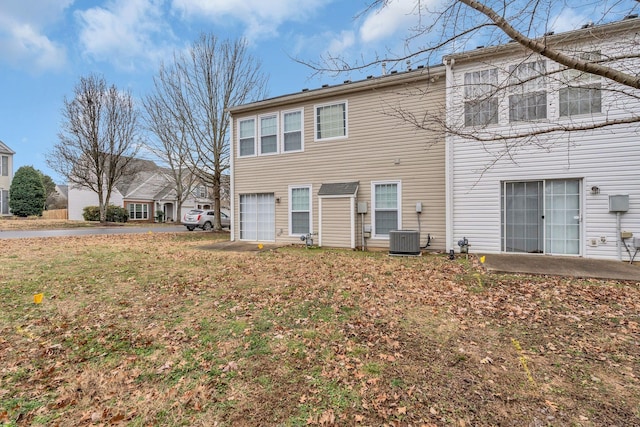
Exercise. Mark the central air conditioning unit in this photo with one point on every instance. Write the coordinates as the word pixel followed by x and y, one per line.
pixel 404 242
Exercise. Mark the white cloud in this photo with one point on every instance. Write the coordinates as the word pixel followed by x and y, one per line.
pixel 260 18
pixel 23 42
pixel 341 43
pixel 125 32
pixel 396 16
pixel 569 19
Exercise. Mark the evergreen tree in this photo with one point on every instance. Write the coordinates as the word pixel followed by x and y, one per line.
pixel 27 193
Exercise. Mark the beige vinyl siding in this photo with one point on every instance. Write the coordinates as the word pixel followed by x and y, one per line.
pixel 336 222
pixel 379 147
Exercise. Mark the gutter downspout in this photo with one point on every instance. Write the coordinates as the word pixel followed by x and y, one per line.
pixel 232 192
pixel 449 155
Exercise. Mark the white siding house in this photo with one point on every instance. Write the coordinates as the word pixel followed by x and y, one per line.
pixel 548 192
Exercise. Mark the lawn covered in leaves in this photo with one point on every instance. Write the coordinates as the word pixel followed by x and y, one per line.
pixel 159 329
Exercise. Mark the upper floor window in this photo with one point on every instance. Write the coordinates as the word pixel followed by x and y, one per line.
pixel 582 94
pixel 269 134
pixel 528 99
pixel 331 121
pixel 4 167
pixel 200 191
pixel 480 102
pixel 292 131
pixel 247 140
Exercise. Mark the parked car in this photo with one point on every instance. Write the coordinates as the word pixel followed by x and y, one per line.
pixel 199 218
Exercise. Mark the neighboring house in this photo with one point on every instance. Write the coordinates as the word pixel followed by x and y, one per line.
pixel 561 193
pixel 145 194
pixel 338 163
pixel 6 175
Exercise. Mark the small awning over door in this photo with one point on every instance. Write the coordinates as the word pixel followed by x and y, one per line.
pixel 337 214
pixel 339 189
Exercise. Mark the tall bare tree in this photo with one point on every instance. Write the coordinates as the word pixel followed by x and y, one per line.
pixel 170 144
pixel 99 138
pixel 189 105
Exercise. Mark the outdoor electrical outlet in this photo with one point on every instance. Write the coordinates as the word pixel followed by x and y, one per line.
pixel 594 242
pixel 603 239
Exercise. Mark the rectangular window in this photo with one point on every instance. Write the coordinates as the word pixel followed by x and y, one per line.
pixel 5 166
pixel 331 121
pixel 247 141
pixel 583 91
pixel 386 204
pixel 481 105
pixel 201 191
pixel 299 210
pixel 4 202
pixel 269 134
pixel 580 100
pixel 138 211
pixel 292 131
pixel 528 99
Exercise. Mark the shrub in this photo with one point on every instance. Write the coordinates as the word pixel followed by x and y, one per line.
pixel 26 193
pixel 114 213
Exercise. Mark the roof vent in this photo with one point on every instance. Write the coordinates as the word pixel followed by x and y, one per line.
pixel 305 89
pixel 347 81
pixel 325 85
pixel 550 33
pixel 587 25
pixel 369 77
pixel 420 67
pixel 632 16
pixel 479 47
pixel 393 72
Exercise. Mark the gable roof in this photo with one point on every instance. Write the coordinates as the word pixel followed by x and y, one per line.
pixel 4 149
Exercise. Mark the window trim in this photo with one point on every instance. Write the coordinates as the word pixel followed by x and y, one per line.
pixel 144 205
pixel 524 87
pixel 398 183
pixel 255 148
pixel 282 132
pixel 472 100
pixel 290 208
pixel 346 121
pixel 275 115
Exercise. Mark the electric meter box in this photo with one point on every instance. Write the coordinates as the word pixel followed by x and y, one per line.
pixel 618 203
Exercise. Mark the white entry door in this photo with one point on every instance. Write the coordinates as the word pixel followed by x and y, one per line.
pixel 257 217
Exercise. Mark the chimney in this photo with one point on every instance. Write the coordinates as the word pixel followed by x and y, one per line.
pixel 384 68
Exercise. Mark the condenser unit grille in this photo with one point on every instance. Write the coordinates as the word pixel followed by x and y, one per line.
pixel 404 242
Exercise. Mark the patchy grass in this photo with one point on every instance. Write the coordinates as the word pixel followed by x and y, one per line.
pixel 37 223
pixel 153 330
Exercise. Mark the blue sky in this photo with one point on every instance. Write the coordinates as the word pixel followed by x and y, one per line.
pixel 47 45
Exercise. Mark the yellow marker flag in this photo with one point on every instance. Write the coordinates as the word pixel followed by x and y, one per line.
pixel 482 259
pixel 37 298
pixel 260 246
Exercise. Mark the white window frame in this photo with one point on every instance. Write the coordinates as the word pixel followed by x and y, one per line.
pixel 145 211
pixel 276 133
pixel 255 139
pixel 4 165
pixel 574 80
pixel 295 187
pixel 479 93
pixel 283 131
pixel 374 184
pixel 346 120
pixel 527 82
